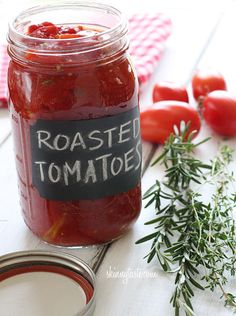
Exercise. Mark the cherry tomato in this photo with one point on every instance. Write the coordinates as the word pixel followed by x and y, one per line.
pixel 206 81
pixel 157 122
pixel 44 30
pixel 166 90
pixel 32 28
pixel 219 112
pixel 47 24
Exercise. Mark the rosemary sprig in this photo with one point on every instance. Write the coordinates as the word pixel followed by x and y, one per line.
pixel 194 239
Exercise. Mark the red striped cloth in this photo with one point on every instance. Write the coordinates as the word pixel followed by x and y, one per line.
pixel 147 32
pixel 3 75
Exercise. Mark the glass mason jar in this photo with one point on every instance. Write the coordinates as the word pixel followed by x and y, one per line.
pixel 73 100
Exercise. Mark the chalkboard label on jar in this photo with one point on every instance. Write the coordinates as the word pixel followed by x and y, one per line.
pixel 86 159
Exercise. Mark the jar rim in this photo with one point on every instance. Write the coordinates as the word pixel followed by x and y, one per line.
pixel 109 35
pixel 13 260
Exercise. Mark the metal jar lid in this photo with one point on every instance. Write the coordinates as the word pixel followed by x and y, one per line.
pixel 44 283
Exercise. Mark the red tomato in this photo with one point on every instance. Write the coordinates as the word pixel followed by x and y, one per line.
pixel 219 112
pixel 32 28
pixel 3 103
pixel 44 30
pixel 157 122
pixel 206 81
pixel 165 90
pixel 47 24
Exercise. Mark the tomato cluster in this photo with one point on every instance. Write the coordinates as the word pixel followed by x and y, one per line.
pixel 52 31
pixel 171 106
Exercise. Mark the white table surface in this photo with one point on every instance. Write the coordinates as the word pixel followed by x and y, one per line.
pixel 203 36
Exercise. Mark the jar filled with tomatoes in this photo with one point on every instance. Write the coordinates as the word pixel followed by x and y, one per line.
pixel 75 116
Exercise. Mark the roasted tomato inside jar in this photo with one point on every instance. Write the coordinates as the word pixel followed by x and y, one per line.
pixel 74 108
